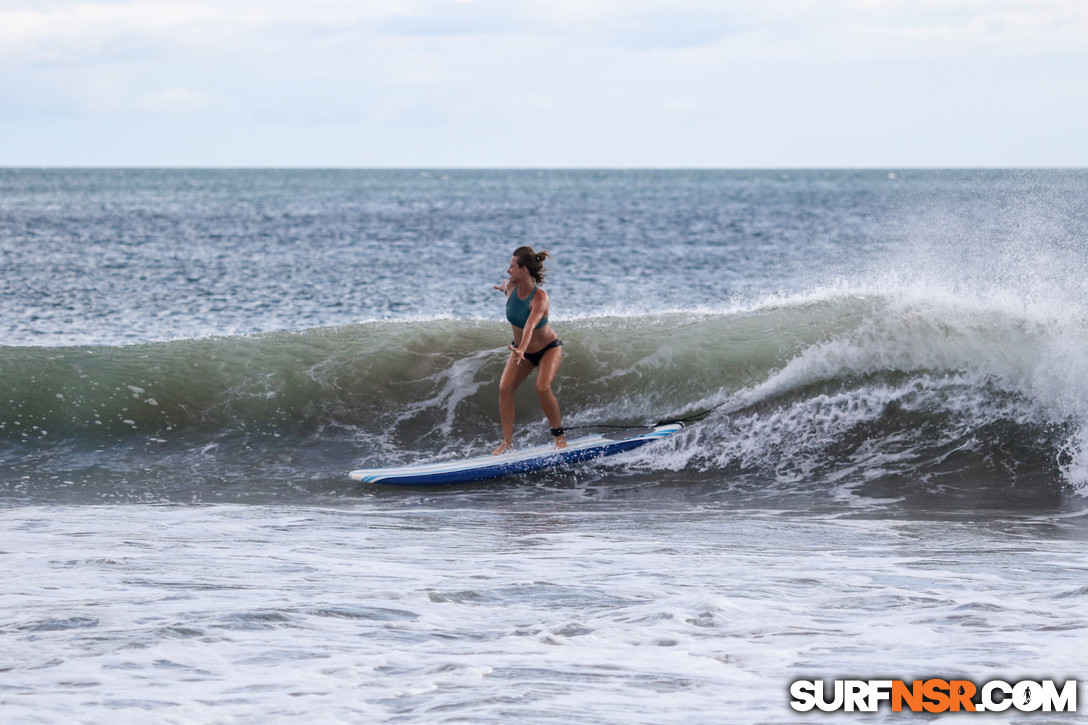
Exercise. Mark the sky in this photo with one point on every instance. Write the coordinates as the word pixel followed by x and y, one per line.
pixel 544 83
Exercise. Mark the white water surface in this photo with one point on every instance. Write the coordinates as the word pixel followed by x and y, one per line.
pixel 426 611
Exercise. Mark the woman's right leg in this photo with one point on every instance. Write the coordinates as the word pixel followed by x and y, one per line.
pixel 549 366
pixel 513 375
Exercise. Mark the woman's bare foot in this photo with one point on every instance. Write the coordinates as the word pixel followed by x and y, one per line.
pixel 560 442
pixel 503 448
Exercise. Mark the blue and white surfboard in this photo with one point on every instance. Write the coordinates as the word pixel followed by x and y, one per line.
pixel 515 462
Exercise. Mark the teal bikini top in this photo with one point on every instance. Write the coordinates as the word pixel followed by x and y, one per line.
pixel 517 310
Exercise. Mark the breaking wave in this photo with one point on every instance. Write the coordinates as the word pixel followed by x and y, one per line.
pixel 879 393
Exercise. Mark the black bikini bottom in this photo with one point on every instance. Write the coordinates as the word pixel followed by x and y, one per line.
pixel 535 357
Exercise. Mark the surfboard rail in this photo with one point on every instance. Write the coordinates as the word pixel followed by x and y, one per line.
pixel 480 468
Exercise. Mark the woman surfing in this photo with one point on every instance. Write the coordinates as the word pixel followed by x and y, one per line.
pixel 535 344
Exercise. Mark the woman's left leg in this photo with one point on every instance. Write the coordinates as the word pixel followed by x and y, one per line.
pixel 545 376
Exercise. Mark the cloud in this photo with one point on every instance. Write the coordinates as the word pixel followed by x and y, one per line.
pixel 935 28
pixel 174 102
pixel 436 76
pixel 86 31
pixel 76 33
pixel 474 17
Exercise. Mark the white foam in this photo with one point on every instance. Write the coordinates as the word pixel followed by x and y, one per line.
pixel 389 611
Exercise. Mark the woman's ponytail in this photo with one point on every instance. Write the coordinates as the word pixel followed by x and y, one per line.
pixel 533 261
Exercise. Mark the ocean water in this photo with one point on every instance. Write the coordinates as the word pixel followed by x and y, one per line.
pixel 890 481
